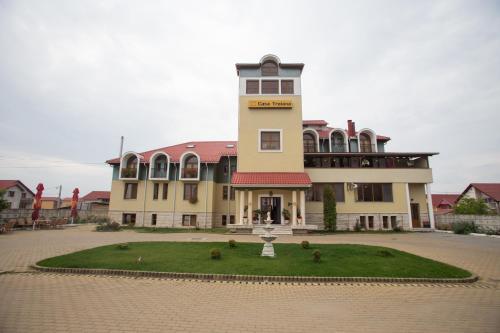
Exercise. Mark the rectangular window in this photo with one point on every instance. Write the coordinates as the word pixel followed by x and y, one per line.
pixel 287 86
pixel 362 222
pixel 156 189
pixel 370 222
pixel 385 222
pixel 270 140
pixel 153 219
pixel 130 191
pixel 190 191
pixel 225 190
pixel 128 219
pixel 394 222
pixel 270 87
pixel 189 220
pixel 374 192
pixel 315 192
pixel 252 86
pixel 231 219
pixel 164 194
pixel 12 194
pixel 23 195
pixel 224 220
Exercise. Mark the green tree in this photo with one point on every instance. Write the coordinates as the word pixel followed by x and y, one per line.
pixel 472 206
pixel 329 209
pixel 4 204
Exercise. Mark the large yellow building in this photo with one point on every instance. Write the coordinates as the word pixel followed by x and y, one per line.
pixel 280 164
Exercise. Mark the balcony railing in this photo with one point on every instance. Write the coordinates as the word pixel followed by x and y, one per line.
pixel 356 161
pixel 129 173
pixel 190 173
pixel 159 173
pixel 367 148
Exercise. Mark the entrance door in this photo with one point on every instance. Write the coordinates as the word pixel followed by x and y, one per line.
pixel 273 205
pixel 415 215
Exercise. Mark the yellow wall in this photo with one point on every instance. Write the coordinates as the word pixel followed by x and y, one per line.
pixel 417 193
pixel 49 204
pixel 251 120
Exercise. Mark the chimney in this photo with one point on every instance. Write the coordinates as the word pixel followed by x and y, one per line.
pixel 351 131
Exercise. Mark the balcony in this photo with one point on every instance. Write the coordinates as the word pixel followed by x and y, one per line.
pixel 191 173
pixel 159 173
pixel 367 148
pixel 339 148
pixel 368 160
pixel 128 173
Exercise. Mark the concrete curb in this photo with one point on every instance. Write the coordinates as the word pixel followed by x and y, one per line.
pixel 249 278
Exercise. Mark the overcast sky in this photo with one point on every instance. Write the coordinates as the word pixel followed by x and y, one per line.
pixel 76 75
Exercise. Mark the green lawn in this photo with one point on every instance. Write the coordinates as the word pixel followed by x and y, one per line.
pixel 336 260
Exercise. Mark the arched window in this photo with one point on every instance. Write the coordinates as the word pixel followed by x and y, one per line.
pixel 338 144
pixel 365 145
pixel 269 68
pixel 132 162
pixel 190 169
pixel 159 166
pixel 309 143
pixel 129 166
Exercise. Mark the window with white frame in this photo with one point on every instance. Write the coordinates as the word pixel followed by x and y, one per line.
pixel 270 140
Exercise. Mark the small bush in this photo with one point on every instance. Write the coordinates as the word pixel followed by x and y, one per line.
pixel 316 256
pixel 232 243
pixel 123 246
pixel 384 253
pixel 305 245
pixel 113 226
pixel 464 228
pixel 397 228
pixel 357 227
pixel 215 254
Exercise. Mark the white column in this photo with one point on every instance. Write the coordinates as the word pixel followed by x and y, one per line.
pixel 429 205
pixel 242 205
pixel 303 206
pixel 294 208
pixel 408 201
pixel 250 208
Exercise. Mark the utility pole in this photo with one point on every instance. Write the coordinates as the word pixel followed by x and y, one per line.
pixel 59 200
pixel 121 146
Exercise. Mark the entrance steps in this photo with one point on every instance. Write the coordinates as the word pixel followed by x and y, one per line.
pixel 278 229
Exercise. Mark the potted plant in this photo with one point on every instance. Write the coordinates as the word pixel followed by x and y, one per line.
pixel 245 214
pixel 299 216
pixel 286 215
pixel 193 200
pixel 257 213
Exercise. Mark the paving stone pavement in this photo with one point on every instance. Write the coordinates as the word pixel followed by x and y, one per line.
pixel 42 302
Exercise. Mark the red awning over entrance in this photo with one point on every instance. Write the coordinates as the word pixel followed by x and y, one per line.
pixel 270 179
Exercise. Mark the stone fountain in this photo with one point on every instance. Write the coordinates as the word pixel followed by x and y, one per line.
pixel 268 249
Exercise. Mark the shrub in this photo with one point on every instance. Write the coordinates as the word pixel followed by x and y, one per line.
pixel 232 243
pixel 384 253
pixel 305 245
pixel 316 256
pixel 109 226
pixel 215 253
pixel 397 228
pixel 286 214
pixel 329 209
pixel 123 246
pixel 472 206
pixel 357 227
pixel 464 228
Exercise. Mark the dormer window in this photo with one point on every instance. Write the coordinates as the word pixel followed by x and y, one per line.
pixel 159 166
pixel 269 68
pixel 309 143
pixel 190 164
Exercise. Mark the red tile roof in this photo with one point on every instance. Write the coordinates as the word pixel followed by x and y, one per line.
pixel 490 189
pixel 271 179
pixel 5 184
pixel 209 151
pixel 324 133
pixel 444 199
pixel 96 195
pixel 314 122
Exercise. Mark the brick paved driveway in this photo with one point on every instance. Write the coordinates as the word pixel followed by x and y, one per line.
pixel 34 302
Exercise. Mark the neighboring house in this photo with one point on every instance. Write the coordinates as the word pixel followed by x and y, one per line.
pixel 17 194
pixel 66 202
pixel 95 200
pixel 49 202
pixel 489 192
pixel 280 161
pixel 444 203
